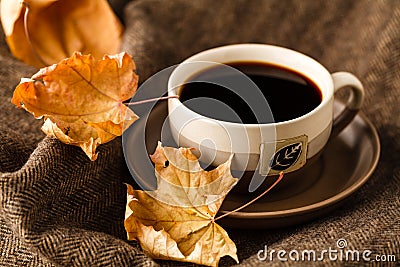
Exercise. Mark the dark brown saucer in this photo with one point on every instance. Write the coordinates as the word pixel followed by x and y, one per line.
pixel 344 166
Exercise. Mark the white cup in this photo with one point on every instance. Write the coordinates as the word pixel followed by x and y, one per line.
pixel 256 146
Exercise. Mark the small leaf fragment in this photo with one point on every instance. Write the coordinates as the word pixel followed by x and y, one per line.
pixel 176 221
pixel 81 99
pixel 57 28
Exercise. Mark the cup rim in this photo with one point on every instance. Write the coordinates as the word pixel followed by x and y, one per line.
pixel 325 97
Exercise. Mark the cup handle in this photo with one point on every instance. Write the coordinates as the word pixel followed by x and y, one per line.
pixel 353 105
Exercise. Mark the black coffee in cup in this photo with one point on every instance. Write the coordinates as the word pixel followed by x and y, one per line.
pixel 223 94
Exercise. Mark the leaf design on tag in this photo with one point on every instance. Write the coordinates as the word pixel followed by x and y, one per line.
pixel 286 156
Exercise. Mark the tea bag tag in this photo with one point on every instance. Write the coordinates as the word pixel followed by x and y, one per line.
pixel 290 155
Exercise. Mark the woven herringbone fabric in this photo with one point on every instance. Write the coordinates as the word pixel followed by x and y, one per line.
pixel 60 209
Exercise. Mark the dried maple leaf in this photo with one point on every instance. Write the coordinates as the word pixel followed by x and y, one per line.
pixel 81 99
pixel 57 28
pixel 177 221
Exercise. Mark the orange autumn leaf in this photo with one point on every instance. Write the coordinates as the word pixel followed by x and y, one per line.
pixel 57 28
pixel 176 221
pixel 81 99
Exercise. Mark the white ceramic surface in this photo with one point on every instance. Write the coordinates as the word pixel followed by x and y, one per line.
pixel 216 139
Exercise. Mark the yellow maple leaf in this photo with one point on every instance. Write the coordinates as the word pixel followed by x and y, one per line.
pixel 81 99
pixel 176 221
pixel 57 28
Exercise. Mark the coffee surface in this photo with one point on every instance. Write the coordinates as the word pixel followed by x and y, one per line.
pixel 239 92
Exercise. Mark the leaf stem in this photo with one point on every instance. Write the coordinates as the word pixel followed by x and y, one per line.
pixel 253 200
pixel 151 100
pixel 28 38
